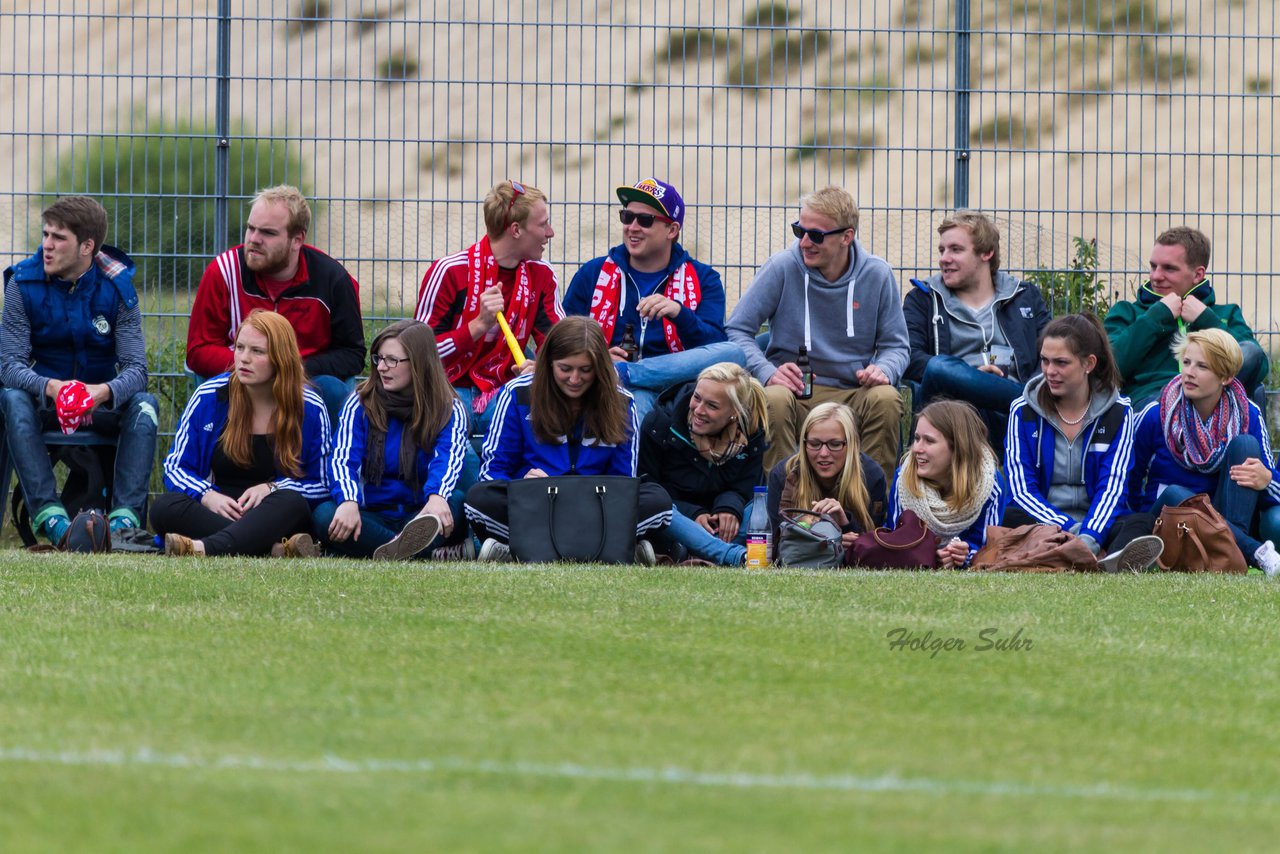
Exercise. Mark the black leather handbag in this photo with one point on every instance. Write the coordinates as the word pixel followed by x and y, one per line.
pixel 588 518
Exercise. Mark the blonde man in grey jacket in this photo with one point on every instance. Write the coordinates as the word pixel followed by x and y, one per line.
pixel 828 293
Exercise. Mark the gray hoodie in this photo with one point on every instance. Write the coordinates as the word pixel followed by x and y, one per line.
pixel 850 323
pixel 1067 490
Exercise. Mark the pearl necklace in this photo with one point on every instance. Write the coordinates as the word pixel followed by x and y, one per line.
pixel 1065 420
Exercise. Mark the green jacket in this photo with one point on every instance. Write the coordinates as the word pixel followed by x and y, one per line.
pixel 1142 331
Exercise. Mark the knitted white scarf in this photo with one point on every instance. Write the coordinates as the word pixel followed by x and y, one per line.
pixel 943 519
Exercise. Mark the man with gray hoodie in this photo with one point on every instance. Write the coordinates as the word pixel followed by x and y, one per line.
pixel 843 304
pixel 973 327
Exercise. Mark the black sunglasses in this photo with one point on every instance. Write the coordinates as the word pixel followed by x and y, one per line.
pixel 646 220
pixel 815 235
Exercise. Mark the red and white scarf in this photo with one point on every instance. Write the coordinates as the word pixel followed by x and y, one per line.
pixel 682 286
pixel 490 367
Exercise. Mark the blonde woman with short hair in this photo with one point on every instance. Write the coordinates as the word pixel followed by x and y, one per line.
pixel 1203 434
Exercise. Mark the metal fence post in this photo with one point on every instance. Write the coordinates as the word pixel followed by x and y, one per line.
pixel 222 122
pixel 962 105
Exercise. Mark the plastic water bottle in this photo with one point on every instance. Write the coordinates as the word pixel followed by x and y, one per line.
pixel 759 531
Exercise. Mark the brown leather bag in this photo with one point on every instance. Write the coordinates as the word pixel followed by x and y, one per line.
pixel 1197 539
pixel 1034 548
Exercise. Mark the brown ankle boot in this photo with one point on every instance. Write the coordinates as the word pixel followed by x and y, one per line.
pixel 299 545
pixel 179 546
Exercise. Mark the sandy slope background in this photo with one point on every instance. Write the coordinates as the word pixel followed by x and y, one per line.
pixel 1106 120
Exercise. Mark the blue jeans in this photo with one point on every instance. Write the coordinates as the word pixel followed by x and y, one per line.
pixel 135 424
pixel 954 378
pixel 652 375
pixel 335 391
pixel 377 528
pixel 479 429
pixel 1236 503
pixel 705 545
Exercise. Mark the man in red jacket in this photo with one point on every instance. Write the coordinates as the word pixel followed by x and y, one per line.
pixel 461 295
pixel 275 269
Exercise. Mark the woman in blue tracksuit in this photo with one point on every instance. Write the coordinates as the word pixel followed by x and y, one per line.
pixel 568 417
pixel 398 451
pixel 247 462
pixel 1070 447
pixel 1203 434
pixel 949 478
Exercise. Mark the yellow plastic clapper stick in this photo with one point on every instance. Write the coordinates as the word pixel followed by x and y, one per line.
pixel 511 340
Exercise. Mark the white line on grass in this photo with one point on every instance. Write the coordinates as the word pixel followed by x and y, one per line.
pixel 886 783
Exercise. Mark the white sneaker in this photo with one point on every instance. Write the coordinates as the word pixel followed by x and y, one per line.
pixel 416 535
pixel 492 550
pixel 1138 555
pixel 644 553
pixel 1268 559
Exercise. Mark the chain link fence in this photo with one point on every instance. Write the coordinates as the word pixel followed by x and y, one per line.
pixel 1077 118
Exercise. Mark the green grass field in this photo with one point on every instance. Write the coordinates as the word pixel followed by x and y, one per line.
pixel 154 704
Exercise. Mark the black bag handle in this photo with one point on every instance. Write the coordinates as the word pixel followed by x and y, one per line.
pixel 552 492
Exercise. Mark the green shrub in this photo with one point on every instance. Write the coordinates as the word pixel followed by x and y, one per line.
pixel 780 57
pixel 769 14
pixel 397 65
pixel 834 146
pixel 1076 288
pixel 307 15
pixel 159 192
pixel 1148 62
pixel 694 45
pixel 1009 130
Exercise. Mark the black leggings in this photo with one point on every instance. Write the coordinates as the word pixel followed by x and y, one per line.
pixel 1123 530
pixel 281 514
pixel 487 509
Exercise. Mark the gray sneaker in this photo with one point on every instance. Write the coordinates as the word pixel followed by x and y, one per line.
pixel 644 553
pixel 494 551
pixel 465 550
pixel 1138 555
pixel 415 536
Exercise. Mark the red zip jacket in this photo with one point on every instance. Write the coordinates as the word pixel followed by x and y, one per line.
pixel 323 308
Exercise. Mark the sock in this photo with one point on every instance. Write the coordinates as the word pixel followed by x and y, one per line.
pixel 55 528
pixel 120 523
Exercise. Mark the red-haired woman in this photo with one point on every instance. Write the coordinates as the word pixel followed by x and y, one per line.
pixel 247 461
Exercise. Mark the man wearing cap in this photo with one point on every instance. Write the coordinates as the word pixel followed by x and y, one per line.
pixel 673 304
pixel 843 304
pixel 461 295
pixel 73 354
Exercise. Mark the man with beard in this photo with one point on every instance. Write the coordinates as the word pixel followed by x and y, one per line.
pixel 73 355
pixel 275 269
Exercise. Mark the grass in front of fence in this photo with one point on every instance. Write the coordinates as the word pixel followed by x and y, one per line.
pixel 266 705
